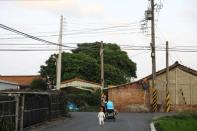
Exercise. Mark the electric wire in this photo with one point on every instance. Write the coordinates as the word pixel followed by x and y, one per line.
pixel 85 31
pixel 29 36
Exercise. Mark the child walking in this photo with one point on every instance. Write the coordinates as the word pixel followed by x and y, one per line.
pixel 101 117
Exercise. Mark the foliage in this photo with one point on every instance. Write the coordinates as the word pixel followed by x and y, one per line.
pixel 38 84
pixel 84 63
pixel 85 98
pixel 180 122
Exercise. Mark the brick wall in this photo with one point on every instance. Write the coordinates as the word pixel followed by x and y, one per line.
pixel 130 98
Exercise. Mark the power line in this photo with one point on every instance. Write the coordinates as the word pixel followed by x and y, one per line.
pixel 86 31
pixel 143 52
pixel 91 23
pixel 78 24
pixel 136 48
pixel 49 32
pixel 128 47
pixel 27 35
pixel 26 50
pixel 173 50
pixel 19 44
pixel 3 44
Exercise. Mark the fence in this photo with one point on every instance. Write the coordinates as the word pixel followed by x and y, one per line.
pixel 7 113
pixel 19 110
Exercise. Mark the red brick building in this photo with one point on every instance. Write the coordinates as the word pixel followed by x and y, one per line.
pixel 130 97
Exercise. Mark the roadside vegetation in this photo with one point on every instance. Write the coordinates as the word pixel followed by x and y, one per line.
pixel 85 101
pixel 180 122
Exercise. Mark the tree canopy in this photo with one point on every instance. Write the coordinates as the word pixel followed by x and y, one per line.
pixel 84 62
pixel 38 84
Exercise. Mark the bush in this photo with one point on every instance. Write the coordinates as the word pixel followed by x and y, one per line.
pixel 180 122
pixel 38 84
pixel 85 99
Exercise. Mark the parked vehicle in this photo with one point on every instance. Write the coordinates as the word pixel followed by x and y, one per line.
pixel 72 106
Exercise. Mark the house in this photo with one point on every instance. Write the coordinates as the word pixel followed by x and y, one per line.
pixel 23 81
pixel 6 85
pixel 182 88
pixel 79 84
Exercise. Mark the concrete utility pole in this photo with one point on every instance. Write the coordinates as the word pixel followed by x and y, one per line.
pixel 149 15
pixel 153 44
pixel 102 67
pixel 59 61
pixel 167 67
pixel 167 80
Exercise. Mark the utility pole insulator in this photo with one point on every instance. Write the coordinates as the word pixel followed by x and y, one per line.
pixel 148 14
pixel 152 54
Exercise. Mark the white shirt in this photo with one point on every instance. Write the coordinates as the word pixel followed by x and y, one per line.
pixel 101 115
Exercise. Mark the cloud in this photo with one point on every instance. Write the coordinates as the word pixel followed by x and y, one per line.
pixel 189 12
pixel 50 4
pixel 91 9
pixel 68 6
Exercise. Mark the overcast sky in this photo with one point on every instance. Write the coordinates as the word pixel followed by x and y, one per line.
pixel 175 22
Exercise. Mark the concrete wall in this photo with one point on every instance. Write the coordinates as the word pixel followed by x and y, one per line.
pixel 179 82
pixel 129 98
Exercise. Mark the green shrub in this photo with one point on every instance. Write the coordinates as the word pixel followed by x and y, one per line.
pixel 180 122
pixel 85 98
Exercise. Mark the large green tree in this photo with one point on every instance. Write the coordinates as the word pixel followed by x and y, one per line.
pixel 84 62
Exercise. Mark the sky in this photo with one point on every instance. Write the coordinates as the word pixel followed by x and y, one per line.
pixel 175 22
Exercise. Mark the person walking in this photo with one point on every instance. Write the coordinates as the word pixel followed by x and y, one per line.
pixel 101 117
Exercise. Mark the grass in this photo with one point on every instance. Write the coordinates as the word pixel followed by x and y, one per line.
pixel 180 122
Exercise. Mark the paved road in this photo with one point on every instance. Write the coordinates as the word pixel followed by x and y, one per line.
pixel 87 121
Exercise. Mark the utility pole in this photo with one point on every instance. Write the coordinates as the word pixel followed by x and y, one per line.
pixel 167 66
pixel 167 80
pixel 102 67
pixel 149 15
pixel 59 60
pixel 153 56
pixel 153 44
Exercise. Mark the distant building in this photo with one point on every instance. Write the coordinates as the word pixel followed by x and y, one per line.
pixel 6 85
pixel 23 81
pixel 133 97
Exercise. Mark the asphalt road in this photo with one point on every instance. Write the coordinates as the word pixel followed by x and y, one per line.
pixel 88 121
